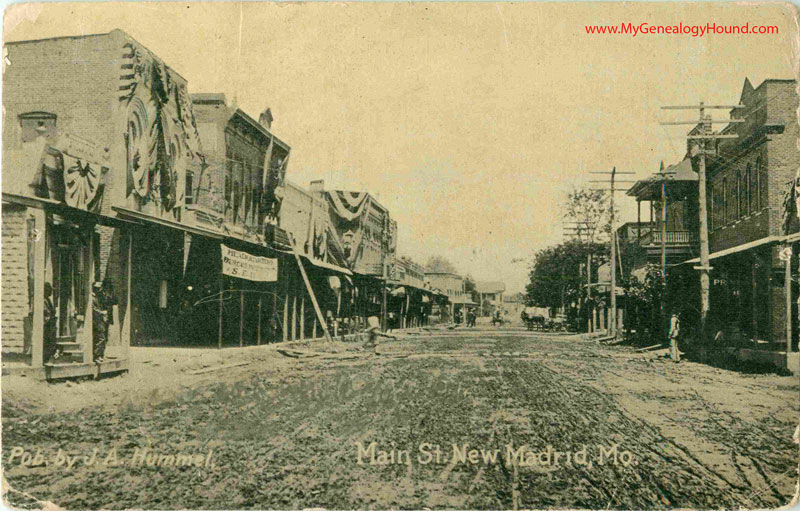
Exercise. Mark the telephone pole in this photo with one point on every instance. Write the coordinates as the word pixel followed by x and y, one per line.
pixel 700 135
pixel 662 177
pixel 612 313
pixel 583 227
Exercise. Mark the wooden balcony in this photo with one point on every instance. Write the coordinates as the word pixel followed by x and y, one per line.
pixel 672 238
pixel 680 246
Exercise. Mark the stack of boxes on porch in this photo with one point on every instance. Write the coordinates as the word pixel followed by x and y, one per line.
pixel 114 173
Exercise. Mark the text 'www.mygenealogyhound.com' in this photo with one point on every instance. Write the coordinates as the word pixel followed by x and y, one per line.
pixel 633 29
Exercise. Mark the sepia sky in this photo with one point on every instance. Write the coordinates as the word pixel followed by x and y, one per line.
pixel 470 122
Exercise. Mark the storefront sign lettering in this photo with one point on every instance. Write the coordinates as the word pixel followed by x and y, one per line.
pixel 246 266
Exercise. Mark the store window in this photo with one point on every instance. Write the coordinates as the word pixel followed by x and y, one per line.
pixel 188 192
pixel 162 294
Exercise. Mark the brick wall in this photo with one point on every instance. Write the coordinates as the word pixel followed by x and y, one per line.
pixel 14 299
pixel 782 157
pixel 75 78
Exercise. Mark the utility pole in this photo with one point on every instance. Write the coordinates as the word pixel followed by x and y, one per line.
pixel 577 230
pixel 612 313
pixel 663 176
pixel 612 317
pixel 663 224
pixel 704 126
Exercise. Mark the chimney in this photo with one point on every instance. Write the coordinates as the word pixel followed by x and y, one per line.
pixel 265 119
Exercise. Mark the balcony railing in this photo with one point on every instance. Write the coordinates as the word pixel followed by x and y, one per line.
pixel 672 238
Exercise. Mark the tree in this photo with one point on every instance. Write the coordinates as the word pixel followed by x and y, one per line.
pixel 470 288
pixel 558 276
pixel 439 264
pixel 590 211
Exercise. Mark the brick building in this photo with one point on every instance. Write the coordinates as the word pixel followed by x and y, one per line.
pixel 66 144
pixel 747 180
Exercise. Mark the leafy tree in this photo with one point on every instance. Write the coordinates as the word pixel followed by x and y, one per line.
pixel 440 264
pixel 471 289
pixel 558 273
pixel 589 211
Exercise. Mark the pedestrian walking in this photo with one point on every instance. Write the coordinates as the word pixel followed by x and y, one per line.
pixel 674 332
pixel 373 332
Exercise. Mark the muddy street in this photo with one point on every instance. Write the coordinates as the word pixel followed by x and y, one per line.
pixel 479 419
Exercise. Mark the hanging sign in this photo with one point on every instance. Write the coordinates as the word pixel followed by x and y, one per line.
pixel 246 266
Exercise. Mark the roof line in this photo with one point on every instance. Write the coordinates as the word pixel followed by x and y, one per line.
pixel 24 41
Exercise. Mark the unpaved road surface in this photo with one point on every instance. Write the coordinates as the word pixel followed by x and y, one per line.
pixel 555 422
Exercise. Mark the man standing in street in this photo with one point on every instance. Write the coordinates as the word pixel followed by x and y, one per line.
pixel 674 331
pixel 373 332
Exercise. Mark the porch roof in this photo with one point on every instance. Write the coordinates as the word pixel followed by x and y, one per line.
pixel 768 240
pixel 650 188
pixel 65 210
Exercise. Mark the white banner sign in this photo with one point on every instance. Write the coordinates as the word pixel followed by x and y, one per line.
pixel 245 266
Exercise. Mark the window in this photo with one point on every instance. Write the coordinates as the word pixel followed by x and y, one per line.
pixel 188 195
pixel 748 186
pixel 739 195
pixel 712 208
pixel 725 201
pixel 162 294
pixel 758 184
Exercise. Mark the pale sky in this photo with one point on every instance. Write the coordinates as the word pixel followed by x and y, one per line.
pixel 469 122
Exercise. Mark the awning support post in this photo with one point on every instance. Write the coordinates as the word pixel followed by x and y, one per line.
pixel 317 310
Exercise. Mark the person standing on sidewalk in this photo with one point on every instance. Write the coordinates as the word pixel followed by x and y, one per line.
pixel 102 311
pixel 674 332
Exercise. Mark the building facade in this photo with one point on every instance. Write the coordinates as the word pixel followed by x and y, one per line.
pixel 749 182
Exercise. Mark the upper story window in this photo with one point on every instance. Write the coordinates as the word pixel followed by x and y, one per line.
pixel 37 124
pixel 189 191
pixel 758 184
pixel 739 195
pixel 748 190
pixel 724 201
pixel 712 207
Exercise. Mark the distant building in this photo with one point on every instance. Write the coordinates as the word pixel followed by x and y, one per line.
pixel 452 285
pixel 490 295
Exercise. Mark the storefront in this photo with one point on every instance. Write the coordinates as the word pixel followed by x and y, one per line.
pixel 50 270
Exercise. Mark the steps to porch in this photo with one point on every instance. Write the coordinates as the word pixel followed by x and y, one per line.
pixel 70 349
pixel 75 360
pixel 56 370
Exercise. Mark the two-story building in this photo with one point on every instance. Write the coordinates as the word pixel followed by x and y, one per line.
pixel 236 195
pixel 366 236
pixel 674 233
pixel 96 149
pixel 490 295
pixel 747 179
pixel 411 299
pixel 304 216
pixel 452 286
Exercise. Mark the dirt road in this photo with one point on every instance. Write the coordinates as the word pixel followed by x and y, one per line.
pixel 480 419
